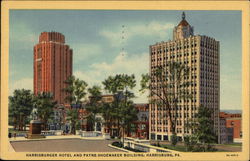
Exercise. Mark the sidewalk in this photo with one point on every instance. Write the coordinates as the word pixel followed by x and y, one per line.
pixel 57 137
pixel 10 148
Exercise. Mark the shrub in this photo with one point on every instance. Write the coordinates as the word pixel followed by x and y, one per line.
pixel 174 139
pixel 190 143
pixel 131 149
pixel 117 144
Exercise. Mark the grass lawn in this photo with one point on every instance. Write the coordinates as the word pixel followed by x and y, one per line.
pixel 221 150
pixel 233 144
pixel 18 133
pixel 12 130
pixel 176 147
pixel 182 148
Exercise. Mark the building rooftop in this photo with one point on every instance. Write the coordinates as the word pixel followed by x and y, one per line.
pixel 229 115
pixel 183 23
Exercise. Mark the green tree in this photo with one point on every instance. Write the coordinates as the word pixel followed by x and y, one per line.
pixel 20 107
pixel 203 135
pixel 94 105
pixel 108 115
pixel 121 109
pixel 72 117
pixel 190 142
pixel 128 114
pixel 205 129
pixel 75 91
pixel 45 104
pixel 168 85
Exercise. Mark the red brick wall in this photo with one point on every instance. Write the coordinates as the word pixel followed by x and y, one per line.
pixel 56 64
pixel 229 115
pixel 236 124
pixel 234 121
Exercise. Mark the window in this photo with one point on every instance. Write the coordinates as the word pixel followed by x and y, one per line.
pixel 153 136
pixel 165 137
pixel 143 126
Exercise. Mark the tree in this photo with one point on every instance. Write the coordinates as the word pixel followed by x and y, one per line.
pixel 122 109
pixel 20 107
pixel 129 114
pixel 108 115
pixel 190 142
pixel 72 116
pixel 203 135
pixel 45 107
pixel 94 105
pixel 95 97
pixel 75 92
pixel 168 85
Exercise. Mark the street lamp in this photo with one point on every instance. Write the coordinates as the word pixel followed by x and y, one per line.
pixel 123 123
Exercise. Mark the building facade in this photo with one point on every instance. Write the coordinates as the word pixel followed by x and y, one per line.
pixel 52 65
pixel 226 133
pixel 141 126
pixel 233 121
pixel 201 54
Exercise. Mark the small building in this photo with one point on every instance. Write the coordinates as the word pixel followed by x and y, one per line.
pixel 233 121
pixel 141 126
pixel 226 133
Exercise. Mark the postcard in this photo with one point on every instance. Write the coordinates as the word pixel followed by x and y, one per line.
pixel 125 80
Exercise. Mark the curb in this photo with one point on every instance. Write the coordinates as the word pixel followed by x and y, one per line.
pixel 44 139
pixel 56 138
pixel 125 150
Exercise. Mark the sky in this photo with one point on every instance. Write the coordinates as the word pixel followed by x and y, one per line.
pixel 109 42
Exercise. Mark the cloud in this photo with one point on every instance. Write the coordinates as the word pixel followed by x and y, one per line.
pixel 26 83
pixel 119 36
pixel 122 64
pixel 85 51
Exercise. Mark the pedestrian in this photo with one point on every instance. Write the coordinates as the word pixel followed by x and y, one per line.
pixel 14 135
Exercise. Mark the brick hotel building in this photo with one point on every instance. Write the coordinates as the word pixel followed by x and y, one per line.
pixel 233 121
pixel 52 64
pixel 201 54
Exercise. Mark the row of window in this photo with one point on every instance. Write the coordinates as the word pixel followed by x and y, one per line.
pixel 178 130
pixel 178 108
pixel 171 48
pixel 209 50
pixel 177 115
pixel 178 55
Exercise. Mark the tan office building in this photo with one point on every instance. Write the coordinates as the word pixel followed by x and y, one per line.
pixel 201 54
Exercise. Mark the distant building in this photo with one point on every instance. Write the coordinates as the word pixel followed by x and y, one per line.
pixel 100 124
pixel 233 121
pixel 201 54
pixel 108 98
pixel 141 126
pixel 226 133
pixel 52 65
